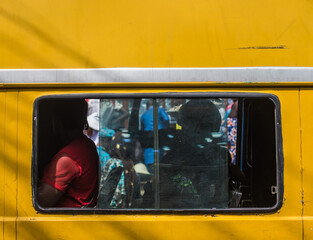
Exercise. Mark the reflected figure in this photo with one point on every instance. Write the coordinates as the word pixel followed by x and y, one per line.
pixel 146 121
pixel 117 175
pixel 112 114
pixel 229 126
pixel 232 130
pixel 194 173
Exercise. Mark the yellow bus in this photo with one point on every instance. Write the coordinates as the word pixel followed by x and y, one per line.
pixel 194 63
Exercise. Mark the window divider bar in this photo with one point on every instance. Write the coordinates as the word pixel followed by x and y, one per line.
pixel 156 153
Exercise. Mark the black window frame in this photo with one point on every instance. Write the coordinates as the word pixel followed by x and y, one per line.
pixel 180 95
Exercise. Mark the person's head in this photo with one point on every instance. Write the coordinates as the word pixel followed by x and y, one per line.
pixel 198 119
pixel 120 147
pixel 94 121
pixel 93 124
pixel 69 118
pixel 149 104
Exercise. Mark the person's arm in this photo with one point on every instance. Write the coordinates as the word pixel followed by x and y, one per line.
pixel 164 118
pixel 48 196
pixel 58 175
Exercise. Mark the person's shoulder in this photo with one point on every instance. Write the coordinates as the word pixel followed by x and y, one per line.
pixel 83 140
pixel 146 114
pixel 64 162
pixel 113 163
pixel 82 143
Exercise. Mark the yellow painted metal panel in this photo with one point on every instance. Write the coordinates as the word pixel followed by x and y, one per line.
pixel 10 161
pixel 287 223
pixel 2 166
pixel 146 33
pixel 291 147
pixel 245 228
pixel 306 100
pixel 25 121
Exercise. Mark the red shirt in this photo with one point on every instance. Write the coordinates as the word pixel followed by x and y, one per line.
pixel 74 171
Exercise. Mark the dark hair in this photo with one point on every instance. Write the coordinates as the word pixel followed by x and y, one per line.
pixel 72 112
pixel 120 147
pixel 201 111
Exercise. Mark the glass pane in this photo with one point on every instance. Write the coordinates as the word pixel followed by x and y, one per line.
pixel 166 153
pixel 194 163
pixel 122 130
pixel 192 147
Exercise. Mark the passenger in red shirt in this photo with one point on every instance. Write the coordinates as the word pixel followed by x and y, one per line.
pixel 71 178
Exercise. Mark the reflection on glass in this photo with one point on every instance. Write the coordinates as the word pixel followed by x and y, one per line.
pixel 194 169
pixel 188 137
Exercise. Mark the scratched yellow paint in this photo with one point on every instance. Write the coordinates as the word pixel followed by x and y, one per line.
pixel 27 224
pixel 306 99
pixel 147 33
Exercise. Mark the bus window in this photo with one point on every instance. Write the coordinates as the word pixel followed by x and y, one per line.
pixel 163 154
